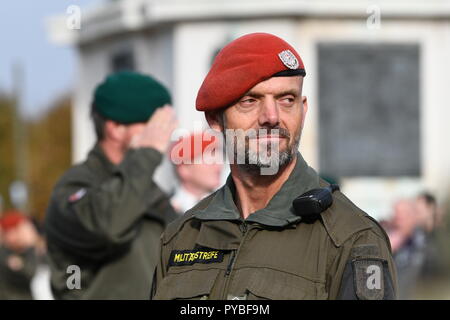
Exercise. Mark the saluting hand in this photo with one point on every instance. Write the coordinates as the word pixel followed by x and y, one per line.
pixel 157 131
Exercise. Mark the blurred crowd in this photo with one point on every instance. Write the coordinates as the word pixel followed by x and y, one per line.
pixel 417 233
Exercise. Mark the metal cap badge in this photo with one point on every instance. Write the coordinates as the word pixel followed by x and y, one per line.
pixel 288 59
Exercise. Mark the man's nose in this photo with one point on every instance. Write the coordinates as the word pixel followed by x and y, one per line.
pixel 269 113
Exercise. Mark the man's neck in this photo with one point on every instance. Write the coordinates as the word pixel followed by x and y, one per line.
pixel 254 192
pixel 112 151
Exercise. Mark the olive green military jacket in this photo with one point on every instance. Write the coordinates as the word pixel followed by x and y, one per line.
pixel 211 253
pixel 103 226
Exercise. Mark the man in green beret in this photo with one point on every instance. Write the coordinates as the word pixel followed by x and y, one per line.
pixel 106 214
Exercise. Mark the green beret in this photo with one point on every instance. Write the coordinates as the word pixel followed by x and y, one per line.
pixel 129 97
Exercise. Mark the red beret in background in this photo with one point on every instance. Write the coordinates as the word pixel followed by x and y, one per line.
pixel 188 148
pixel 242 64
pixel 11 219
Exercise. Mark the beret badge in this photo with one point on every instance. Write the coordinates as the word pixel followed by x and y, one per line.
pixel 288 59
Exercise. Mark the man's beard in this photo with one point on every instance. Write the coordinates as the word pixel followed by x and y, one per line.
pixel 263 158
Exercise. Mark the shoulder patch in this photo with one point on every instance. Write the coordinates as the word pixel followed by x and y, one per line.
pixel 369 278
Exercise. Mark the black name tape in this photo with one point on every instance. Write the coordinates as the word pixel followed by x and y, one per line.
pixel 190 257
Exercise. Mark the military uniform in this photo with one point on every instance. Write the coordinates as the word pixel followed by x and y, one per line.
pixel 211 253
pixel 107 220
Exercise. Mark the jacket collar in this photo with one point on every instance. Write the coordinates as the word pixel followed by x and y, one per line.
pixel 278 213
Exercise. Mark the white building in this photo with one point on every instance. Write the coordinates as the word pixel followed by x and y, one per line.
pixel 377 78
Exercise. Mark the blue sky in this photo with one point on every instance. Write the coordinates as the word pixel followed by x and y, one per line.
pixel 49 69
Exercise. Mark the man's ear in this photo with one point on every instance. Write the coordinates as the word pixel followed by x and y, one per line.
pixel 305 104
pixel 304 108
pixel 214 119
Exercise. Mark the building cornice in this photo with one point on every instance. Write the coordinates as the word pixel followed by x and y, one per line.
pixel 130 15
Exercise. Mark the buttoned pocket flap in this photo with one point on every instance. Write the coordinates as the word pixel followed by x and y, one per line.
pixel 277 285
pixel 194 284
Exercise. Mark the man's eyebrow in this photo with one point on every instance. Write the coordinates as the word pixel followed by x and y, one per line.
pixel 294 93
pixel 278 95
pixel 253 94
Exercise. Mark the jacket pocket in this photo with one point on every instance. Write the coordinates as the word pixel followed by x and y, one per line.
pixel 277 285
pixel 189 285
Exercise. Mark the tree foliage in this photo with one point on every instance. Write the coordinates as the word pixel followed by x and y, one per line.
pixel 6 148
pixel 48 152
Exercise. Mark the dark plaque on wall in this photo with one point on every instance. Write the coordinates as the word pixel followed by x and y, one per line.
pixel 369 111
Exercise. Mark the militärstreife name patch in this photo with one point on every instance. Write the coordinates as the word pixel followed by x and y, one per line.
pixel 190 257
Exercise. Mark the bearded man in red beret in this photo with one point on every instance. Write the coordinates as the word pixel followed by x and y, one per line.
pixel 275 230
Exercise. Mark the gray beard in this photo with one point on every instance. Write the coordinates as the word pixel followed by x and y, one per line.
pixel 257 162
pixel 266 162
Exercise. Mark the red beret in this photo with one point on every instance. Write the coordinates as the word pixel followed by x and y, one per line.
pixel 11 219
pixel 188 148
pixel 244 63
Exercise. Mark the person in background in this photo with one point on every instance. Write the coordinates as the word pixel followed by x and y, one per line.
pixel 106 215
pixel 197 171
pixel 408 246
pixel 428 212
pixel 402 224
pixel 430 221
pixel 18 239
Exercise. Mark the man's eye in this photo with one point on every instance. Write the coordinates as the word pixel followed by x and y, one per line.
pixel 248 101
pixel 287 100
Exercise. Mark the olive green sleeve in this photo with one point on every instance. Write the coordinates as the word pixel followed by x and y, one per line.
pixel 104 219
pixel 363 268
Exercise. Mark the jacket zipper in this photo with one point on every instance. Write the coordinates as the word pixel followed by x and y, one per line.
pixel 233 257
pixel 244 228
pixel 230 264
